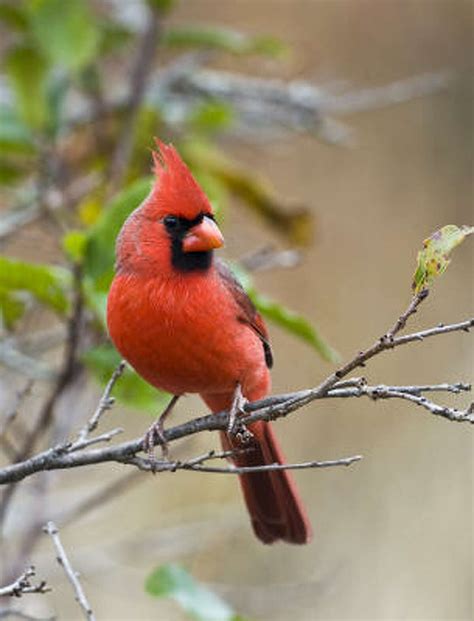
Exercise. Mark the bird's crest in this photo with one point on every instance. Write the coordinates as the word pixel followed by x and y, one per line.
pixel 175 190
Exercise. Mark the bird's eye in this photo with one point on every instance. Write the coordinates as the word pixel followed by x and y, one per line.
pixel 171 223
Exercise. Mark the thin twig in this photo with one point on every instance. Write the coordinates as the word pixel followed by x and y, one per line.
pixel 193 466
pixel 72 576
pixel 105 404
pixel 23 585
pixel 103 437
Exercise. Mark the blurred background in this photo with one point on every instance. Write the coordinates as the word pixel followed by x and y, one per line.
pixel 341 131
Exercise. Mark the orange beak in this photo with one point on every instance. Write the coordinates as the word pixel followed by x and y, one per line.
pixel 203 237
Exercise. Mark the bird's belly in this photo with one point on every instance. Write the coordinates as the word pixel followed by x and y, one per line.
pixel 185 346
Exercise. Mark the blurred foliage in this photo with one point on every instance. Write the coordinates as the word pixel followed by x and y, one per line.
pixel 132 390
pixel 222 39
pixel 199 603
pixel 57 52
pixel 435 256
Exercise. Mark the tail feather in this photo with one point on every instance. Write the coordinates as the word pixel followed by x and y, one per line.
pixel 273 503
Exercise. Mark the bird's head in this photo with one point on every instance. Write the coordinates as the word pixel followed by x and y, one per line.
pixel 174 228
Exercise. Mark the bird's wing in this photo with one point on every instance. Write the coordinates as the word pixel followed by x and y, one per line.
pixel 248 312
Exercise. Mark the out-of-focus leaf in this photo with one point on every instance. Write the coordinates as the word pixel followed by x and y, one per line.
pixel 290 321
pixel 47 283
pixel 164 6
pixel 74 244
pixel 224 39
pixel 211 117
pixel 113 36
pixel 96 300
pixel 435 256
pixel 11 308
pixel 57 88
pixel 215 191
pixel 199 602
pixel 295 223
pixel 10 171
pixel 131 390
pixel 148 124
pixel 66 31
pixel 14 16
pixel 100 248
pixel 294 323
pixel 89 210
pixel 27 70
pixel 15 137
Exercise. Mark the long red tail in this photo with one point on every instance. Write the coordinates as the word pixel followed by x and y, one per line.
pixel 272 500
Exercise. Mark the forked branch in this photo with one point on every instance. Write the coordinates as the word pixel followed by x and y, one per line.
pixel 337 385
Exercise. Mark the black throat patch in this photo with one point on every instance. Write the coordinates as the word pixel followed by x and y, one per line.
pixel 177 228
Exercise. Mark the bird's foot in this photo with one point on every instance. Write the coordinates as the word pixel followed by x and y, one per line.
pixel 156 432
pixel 235 426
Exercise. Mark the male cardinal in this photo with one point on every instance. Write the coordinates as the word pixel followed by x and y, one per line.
pixel 185 324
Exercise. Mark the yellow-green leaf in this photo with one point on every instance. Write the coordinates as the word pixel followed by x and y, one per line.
pixel 224 39
pixel 434 258
pixel 47 283
pixel 11 308
pixel 100 247
pixel 66 31
pixel 27 70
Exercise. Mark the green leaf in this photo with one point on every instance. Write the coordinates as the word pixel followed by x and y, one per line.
pixel 11 308
pixel 224 39
pixel 100 247
pixel 10 172
pixel 200 603
pixel 211 117
pixel 284 317
pixel 113 36
pixel 131 390
pixel 74 244
pixel 15 137
pixel 294 323
pixel 66 31
pixel 46 283
pixel 14 15
pixel 27 71
pixel 164 6
pixel 433 260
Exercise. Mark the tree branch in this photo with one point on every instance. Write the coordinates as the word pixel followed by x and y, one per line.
pixel 23 585
pixel 337 385
pixel 72 576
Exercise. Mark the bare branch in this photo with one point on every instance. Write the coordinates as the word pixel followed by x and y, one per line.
pixel 105 404
pixel 23 585
pixel 196 465
pixel 270 408
pixel 72 576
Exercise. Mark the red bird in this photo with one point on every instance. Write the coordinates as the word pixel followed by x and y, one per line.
pixel 185 324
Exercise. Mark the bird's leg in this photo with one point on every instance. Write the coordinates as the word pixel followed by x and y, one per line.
pixel 237 407
pixel 156 431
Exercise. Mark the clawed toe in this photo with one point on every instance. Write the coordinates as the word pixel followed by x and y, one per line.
pixel 235 427
pixel 156 432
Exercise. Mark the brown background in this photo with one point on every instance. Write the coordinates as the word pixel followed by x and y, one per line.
pixel 393 535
